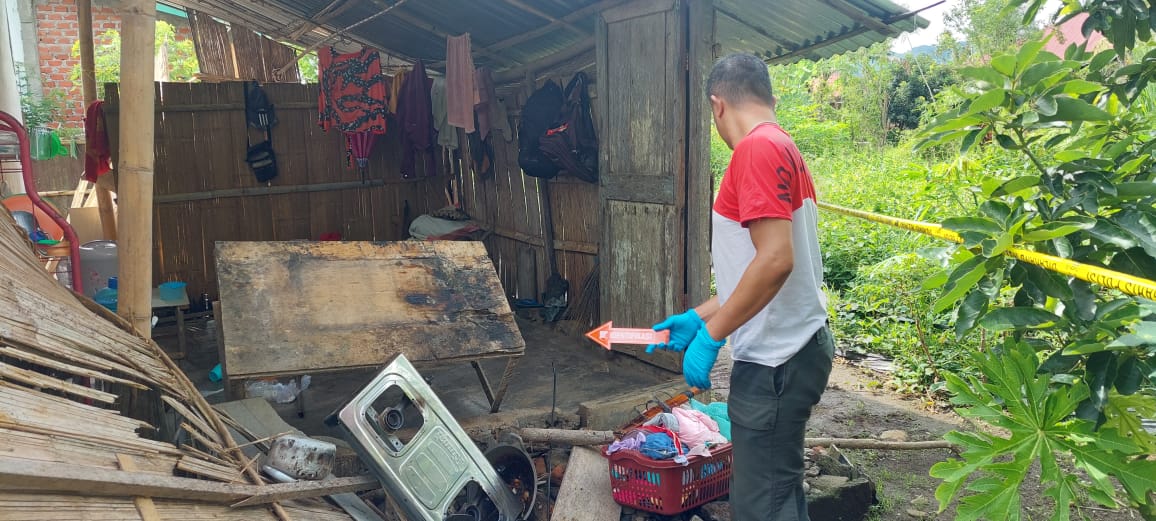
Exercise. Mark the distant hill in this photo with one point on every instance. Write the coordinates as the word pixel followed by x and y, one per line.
pixel 925 50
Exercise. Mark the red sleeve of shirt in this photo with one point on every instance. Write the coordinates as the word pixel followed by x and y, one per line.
pixel 763 176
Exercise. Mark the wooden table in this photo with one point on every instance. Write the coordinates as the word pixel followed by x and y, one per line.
pixel 179 306
pixel 295 308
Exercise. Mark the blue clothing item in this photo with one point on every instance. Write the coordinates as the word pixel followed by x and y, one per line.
pixel 659 446
pixel 682 328
pixel 700 358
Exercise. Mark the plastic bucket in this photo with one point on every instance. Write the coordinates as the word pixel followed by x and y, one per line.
pixel 171 291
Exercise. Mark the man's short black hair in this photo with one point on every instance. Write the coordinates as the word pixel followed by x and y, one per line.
pixel 740 78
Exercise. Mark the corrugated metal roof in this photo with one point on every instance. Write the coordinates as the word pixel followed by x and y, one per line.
pixel 509 34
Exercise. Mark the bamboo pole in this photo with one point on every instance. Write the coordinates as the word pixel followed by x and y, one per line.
pixel 585 438
pixel 88 87
pixel 135 172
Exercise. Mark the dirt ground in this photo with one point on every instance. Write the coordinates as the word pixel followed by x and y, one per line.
pixel 855 406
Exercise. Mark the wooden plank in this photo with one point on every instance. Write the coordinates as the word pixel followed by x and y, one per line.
pixel 19 474
pixel 144 505
pixel 699 179
pixel 641 291
pixel 585 494
pixel 291 307
pixel 636 9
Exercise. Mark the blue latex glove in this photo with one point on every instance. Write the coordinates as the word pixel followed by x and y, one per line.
pixel 682 330
pixel 700 358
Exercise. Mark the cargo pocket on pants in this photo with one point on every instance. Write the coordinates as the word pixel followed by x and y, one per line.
pixel 754 395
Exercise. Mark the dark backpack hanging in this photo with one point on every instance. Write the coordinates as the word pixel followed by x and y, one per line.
pixel 259 114
pixel 539 115
pixel 573 145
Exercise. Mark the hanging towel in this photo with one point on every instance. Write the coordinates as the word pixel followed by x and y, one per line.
pixel 447 135
pixel 461 89
pixel 352 92
pixel 97 156
pixel 415 115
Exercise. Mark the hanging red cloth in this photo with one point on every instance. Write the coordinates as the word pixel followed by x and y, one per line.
pixel 97 156
pixel 352 91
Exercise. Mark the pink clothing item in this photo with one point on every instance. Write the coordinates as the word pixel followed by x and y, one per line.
pixel 697 429
pixel 461 84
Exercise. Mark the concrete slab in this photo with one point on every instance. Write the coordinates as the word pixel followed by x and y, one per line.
pixel 585 494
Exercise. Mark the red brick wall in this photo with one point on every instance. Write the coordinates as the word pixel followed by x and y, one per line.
pixel 57 29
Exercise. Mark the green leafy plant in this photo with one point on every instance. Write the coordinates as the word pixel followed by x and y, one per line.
pixel 39 109
pixel 1037 416
pixel 1079 361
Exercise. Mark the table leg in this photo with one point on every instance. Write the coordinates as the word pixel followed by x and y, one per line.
pixel 504 384
pixel 485 381
pixel 180 334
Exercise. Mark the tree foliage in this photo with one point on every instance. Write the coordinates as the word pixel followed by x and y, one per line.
pixel 182 56
pixel 1078 360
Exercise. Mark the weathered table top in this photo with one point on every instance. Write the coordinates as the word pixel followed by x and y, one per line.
pixel 293 307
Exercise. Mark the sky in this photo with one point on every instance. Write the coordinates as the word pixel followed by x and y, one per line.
pixel 907 41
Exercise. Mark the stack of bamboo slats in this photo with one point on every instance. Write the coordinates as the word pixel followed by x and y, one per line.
pixel 51 343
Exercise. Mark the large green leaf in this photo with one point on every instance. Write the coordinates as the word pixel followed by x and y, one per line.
pixel 1017 318
pixel 1053 229
pixel 1143 334
pixel 1075 109
pixel 1141 226
pixel 972 224
pixel 987 101
pixel 1134 261
pixel 1004 64
pixel 986 76
pixel 1015 185
pixel 962 279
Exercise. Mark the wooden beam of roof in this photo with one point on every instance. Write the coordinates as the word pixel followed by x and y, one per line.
pixel 570 18
pixel 430 28
pixel 540 14
pixel 553 60
pixel 762 32
pixel 862 17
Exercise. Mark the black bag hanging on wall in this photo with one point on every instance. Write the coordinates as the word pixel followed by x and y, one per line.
pixel 259 114
pixel 539 115
pixel 573 145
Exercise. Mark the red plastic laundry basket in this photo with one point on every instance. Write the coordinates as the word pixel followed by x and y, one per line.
pixel 665 487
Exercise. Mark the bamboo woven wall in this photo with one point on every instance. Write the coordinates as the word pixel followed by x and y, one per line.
pixel 510 205
pixel 200 148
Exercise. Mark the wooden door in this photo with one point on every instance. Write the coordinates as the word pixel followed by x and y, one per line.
pixel 642 94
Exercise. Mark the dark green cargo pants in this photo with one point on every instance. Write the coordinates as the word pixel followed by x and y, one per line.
pixel 769 408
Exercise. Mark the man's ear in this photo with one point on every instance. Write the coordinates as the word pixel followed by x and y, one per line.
pixel 717 105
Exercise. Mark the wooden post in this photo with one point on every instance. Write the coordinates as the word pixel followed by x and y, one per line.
pixel 88 87
pixel 135 171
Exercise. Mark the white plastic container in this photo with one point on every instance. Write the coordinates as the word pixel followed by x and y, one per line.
pixel 98 259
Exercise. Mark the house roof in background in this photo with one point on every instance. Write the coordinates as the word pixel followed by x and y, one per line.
pixel 509 35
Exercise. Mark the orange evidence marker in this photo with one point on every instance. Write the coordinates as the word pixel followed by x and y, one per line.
pixel 607 334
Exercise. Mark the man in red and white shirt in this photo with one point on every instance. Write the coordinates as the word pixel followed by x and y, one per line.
pixel 770 302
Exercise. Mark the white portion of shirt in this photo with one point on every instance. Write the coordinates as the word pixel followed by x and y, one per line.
pixel 789 321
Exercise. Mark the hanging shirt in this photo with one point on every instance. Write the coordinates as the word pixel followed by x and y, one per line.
pixel 461 89
pixel 415 115
pixel 447 135
pixel 490 110
pixel 767 179
pixel 352 94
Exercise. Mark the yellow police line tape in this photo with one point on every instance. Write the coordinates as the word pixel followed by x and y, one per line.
pixel 1104 277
